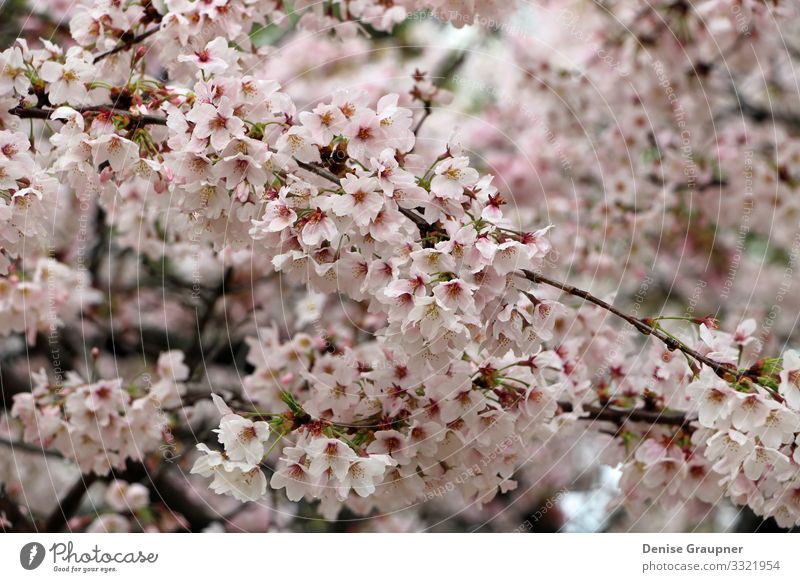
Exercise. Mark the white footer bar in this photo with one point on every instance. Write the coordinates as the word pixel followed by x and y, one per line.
pixel 399 557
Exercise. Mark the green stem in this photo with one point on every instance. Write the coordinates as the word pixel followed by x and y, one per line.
pixel 277 440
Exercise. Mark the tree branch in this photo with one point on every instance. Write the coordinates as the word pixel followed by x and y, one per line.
pixel 319 171
pixel 422 225
pixel 11 517
pixel 69 504
pixel 194 355
pixel 761 114
pixel 621 415
pixel 29 448
pixel 425 114
pixel 167 491
pixel 45 113
pixel 126 44
pixel 724 371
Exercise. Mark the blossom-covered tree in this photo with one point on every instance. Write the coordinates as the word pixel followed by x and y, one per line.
pixel 403 263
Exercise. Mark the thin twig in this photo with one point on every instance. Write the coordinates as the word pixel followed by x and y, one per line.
pixel 319 171
pixel 127 44
pixel 324 173
pixel 425 114
pixel 724 371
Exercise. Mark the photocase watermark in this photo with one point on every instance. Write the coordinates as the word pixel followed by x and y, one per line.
pixel 31 555
pixel 54 288
pixel 620 343
pixel 742 22
pixel 695 297
pixel 53 326
pixel 65 557
pixel 196 277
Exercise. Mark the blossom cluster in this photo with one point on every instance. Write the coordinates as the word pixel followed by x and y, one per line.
pixel 431 251
pixel 314 467
pixel 154 171
pixel 742 444
pixel 236 471
pixel 122 499
pixel 395 432
pixel 25 190
pixel 100 425
pixel 42 300
pixel 180 28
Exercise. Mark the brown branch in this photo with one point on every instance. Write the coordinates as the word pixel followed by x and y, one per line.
pixel 194 355
pixel 29 448
pixel 168 491
pixel 621 415
pixel 45 113
pixel 126 44
pixel 69 504
pixel 11 517
pixel 724 371
pixel 425 114
pixel 422 225
pixel 174 497
pixel 319 171
pixel 761 114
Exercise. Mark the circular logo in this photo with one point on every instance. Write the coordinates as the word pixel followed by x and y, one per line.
pixel 31 555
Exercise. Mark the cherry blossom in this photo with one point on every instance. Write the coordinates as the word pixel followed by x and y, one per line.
pixel 343 278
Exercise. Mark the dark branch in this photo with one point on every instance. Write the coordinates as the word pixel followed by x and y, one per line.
pixel 29 448
pixel 11 517
pixel 724 371
pixel 422 225
pixel 45 113
pixel 194 355
pixel 621 415
pixel 169 492
pixel 126 44
pixel 319 171
pixel 69 504
pixel 425 114
pixel 761 114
